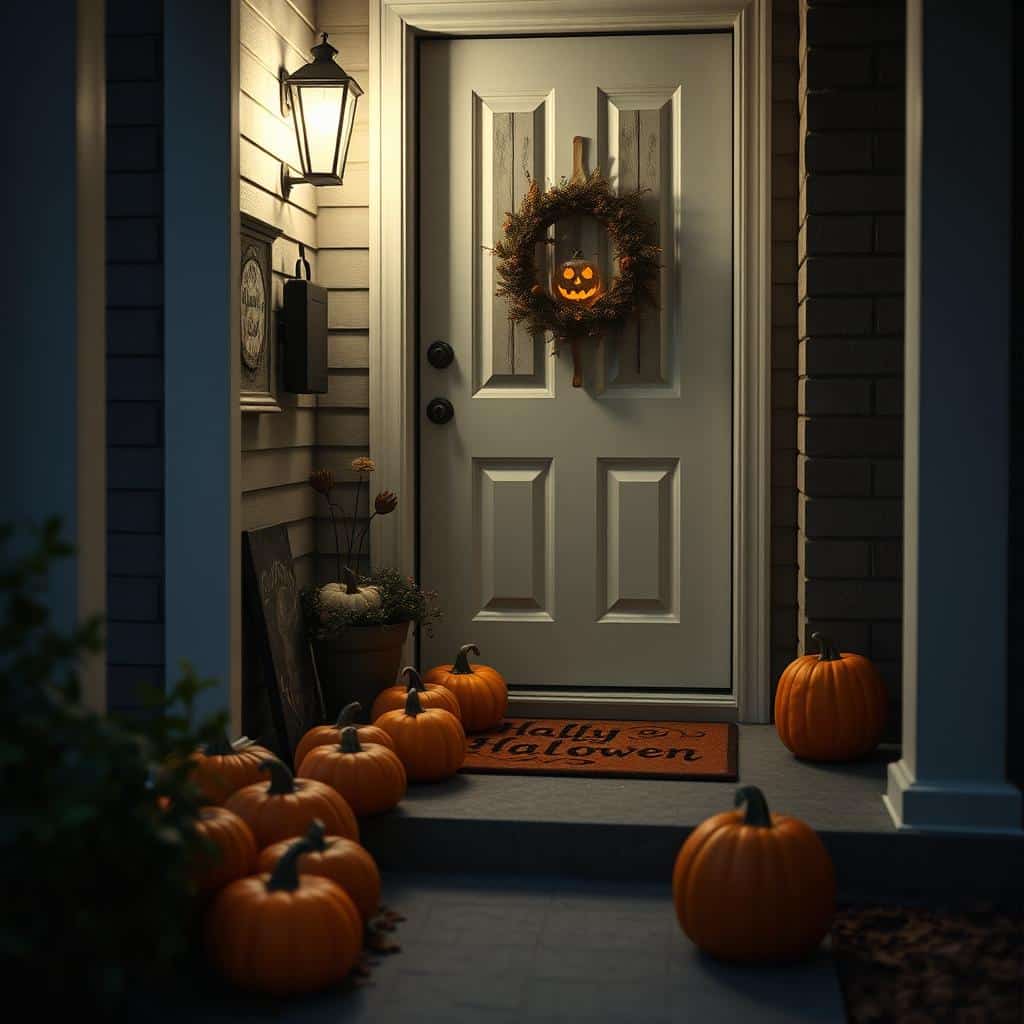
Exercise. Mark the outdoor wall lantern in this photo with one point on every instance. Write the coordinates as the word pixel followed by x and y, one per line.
pixel 322 99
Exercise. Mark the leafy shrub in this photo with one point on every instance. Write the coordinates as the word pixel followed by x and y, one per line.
pixel 97 899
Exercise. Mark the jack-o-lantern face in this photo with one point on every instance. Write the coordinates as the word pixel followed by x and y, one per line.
pixel 577 280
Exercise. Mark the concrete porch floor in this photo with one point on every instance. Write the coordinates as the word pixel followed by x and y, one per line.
pixel 500 949
pixel 628 829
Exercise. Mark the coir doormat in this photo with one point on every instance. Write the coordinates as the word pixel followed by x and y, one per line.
pixel 598 747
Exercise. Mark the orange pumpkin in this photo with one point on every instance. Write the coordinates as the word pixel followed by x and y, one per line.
pixel 229 849
pixel 430 741
pixel 341 860
pixel 288 805
pixel 322 735
pixel 371 777
pixel 754 886
pixel 830 706
pixel 431 696
pixel 222 767
pixel 282 933
pixel 479 689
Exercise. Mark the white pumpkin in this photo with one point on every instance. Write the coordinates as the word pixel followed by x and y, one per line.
pixel 347 596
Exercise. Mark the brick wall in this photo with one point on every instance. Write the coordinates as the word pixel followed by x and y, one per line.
pixel 850 324
pixel 785 123
pixel 134 351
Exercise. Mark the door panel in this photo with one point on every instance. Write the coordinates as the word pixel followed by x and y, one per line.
pixel 581 536
pixel 637 531
pixel 509 146
pixel 513 549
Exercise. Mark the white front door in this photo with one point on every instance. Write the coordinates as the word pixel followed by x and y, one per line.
pixel 580 536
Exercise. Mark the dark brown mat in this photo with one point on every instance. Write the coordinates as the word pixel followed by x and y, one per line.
pixel 609 748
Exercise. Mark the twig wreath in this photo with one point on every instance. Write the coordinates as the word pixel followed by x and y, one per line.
pixel 586 313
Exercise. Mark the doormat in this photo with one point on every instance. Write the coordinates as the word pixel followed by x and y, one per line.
pixel 611 749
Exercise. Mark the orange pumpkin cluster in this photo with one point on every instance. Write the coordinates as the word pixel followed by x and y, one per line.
pixel 282 860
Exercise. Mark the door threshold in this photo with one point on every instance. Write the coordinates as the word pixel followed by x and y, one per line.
pixel 623 704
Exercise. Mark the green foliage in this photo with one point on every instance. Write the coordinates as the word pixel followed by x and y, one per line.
pixel 96 896
pixel 402 600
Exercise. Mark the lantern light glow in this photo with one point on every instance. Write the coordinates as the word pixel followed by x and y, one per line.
pixel 322 99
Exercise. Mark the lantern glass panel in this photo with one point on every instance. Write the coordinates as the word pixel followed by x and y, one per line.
pixel 346 129
pixel 317 129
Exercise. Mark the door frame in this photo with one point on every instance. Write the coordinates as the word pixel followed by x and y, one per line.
pixel 394 28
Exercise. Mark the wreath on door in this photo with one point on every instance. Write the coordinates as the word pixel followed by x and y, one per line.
pixel 577 306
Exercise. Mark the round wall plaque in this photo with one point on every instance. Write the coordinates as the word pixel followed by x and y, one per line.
pixel 254 306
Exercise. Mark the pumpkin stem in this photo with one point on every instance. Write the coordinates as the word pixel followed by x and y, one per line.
pixel 350 740
pixel 315 834
pixel 757 807
pixel 220 747
pixel 351 581
pixel 281 779
pixel 461 666
pixel 412 677
pixel 829 651
pixel 348 713
pixel 285 877
pixel 413 706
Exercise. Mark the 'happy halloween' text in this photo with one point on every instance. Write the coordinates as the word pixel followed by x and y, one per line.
pixel 574 739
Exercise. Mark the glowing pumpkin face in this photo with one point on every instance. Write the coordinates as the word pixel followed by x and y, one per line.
pixel 578 280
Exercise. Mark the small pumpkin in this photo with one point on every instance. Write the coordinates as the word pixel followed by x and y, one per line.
pixel 578 281
pixel 341 860
pixel 431 695
pixel 753 886
pixel 480 690
pixel 830 706
pixel 371 778
pixel 284 933
pixel 222 767
pixel 288 805
pixel 322 735
pixel 229 849
pixel 347 596
pixel 430 741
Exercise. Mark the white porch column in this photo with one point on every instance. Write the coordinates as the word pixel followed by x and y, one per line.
pixel 53 413
pixel 952 775
pixel 201 338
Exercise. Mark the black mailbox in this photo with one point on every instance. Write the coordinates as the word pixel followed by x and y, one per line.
pixel 304 334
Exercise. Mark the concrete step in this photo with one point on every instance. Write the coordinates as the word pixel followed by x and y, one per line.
pixel 632 829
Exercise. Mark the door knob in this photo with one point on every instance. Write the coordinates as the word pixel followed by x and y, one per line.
pixel 440 410
pixel 440 354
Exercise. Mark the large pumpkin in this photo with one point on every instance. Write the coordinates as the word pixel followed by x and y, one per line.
pixel 430 741
pixel 371 778
pixel 754 886
pixel 288 806
pixel 830 706
pixel 578 281
pixel 341 860
pixel 222 767
pixel 321 735
pixel 283 933
pixel 431 695
pixel 228 849
pixel 479 689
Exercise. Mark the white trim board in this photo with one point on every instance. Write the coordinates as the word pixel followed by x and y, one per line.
pixel 394 27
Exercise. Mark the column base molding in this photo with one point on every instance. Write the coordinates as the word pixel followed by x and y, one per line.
pixel 951 805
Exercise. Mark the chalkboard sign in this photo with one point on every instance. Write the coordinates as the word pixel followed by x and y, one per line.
pixel 277 637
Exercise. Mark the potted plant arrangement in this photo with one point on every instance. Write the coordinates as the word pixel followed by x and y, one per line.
pixel 358 623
